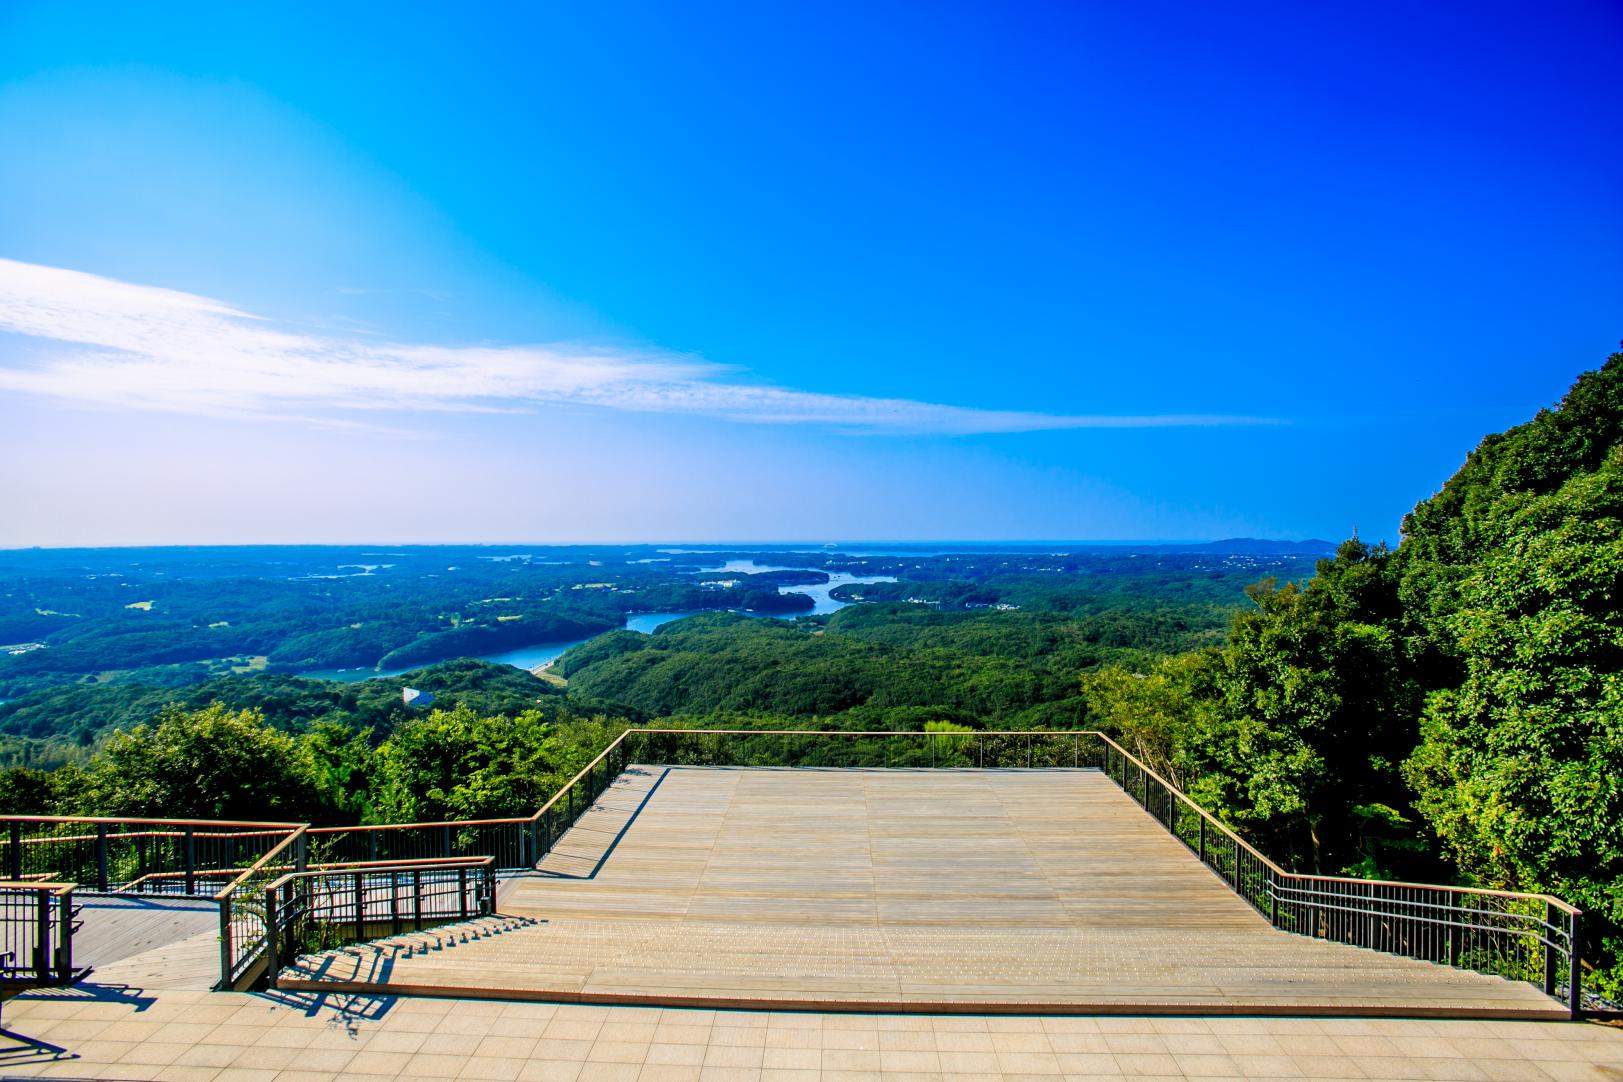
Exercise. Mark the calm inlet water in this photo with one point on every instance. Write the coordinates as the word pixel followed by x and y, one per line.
pixel 543 654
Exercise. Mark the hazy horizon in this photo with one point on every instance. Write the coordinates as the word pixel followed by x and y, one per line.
pixel 727 545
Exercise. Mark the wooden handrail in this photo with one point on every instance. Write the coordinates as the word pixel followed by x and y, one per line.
pixel 141 819
pixel 123 835
pixel 587 769
pixel 225 893
pixel 362 867
pixel 1179 793
pixel 29 884
pixel 426 823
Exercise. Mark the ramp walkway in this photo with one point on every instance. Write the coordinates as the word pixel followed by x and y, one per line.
pixel 1020 891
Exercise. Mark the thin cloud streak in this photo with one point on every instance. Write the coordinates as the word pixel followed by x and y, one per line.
pixel 119 345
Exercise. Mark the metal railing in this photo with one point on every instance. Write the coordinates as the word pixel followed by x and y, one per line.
pixel 508 843
pixel 514 842
pixel 173 856
pixel 1530 937
pixel 243 921
pixel 995 749
pixel 325 907
pixel 36 932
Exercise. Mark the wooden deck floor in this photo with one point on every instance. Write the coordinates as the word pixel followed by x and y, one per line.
pixel 867 889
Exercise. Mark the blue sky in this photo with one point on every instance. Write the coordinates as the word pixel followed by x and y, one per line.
pixel 707 272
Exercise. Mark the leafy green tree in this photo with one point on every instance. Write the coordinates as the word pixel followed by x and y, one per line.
pixel 25 791
pixel 1293 731
pixel 458 764
pixel 1156 715
pixel 344 766
pixel 212 763
pixel 1520 768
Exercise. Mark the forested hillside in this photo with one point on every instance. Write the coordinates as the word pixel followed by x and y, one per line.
pixel 883 666
pixel 1458 699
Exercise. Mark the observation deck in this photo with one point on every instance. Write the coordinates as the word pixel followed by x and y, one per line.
pixel 1032 891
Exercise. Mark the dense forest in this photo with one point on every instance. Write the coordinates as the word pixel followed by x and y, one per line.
pixel 1448 709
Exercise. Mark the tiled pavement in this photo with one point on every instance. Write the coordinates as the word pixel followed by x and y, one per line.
pixel 119 1033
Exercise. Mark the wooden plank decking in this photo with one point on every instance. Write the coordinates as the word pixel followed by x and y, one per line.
pixel 893 889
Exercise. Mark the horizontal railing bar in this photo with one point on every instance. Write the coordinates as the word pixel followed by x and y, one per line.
pixel 434 823
pixel 868 732
pixel 124 835
pixel 271 827
pixel 1305 896
pixel 1421 918
pixel 1478 891
pixel 32 885
pixel 384 868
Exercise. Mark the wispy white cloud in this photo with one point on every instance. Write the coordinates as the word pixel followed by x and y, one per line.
pixel 115 344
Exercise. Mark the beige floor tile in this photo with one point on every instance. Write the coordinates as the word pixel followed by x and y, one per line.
pixel 499 1068
pixel 539 1070
pixel 669 1072
pixel 432 1065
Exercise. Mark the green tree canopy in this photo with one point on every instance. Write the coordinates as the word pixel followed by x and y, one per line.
pixel 213 763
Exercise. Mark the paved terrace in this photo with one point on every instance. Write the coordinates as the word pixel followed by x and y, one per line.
pixel 930 890
pixel 122 1032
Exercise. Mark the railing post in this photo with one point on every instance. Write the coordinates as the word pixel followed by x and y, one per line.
pixel 1575 969
pixel 1455 938
pixel 446 831
pixel 301 853
pixel 101 857
pixel 1202 839
pixel 64 940
pixel 42 936
pixel 1273 896
pixel 14 853
pixel 394 903
pixel 190 856
pixel 272 946
pixel 360 908
pixel 1369 921
pixel 225 944
pixel 372 844
pixel 417 899
pixel 1549 949
pixel 462 892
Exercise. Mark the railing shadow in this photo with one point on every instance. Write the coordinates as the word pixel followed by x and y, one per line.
pixel 373 961
pixel 18 1049
pixel 348 1008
